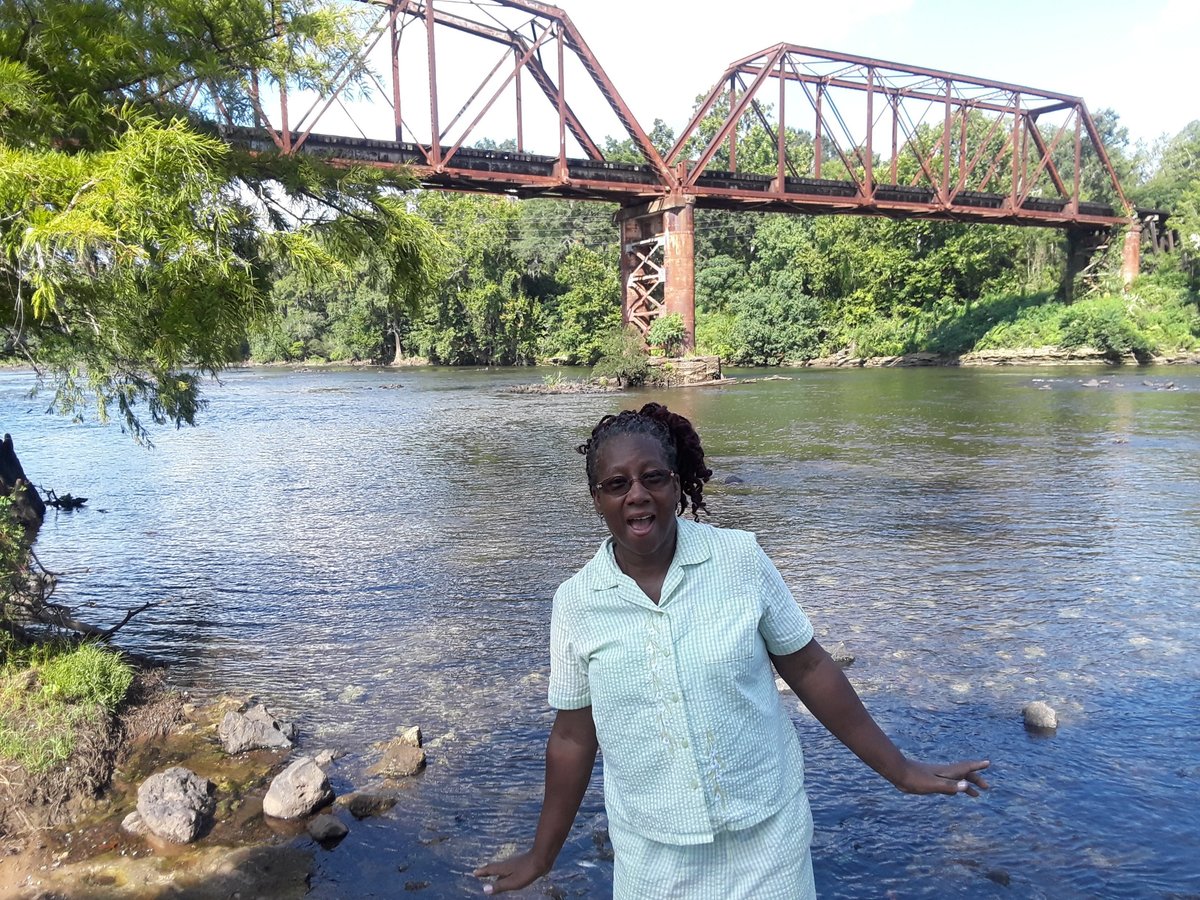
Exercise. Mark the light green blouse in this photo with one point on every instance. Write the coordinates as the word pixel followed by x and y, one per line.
pixel 693 734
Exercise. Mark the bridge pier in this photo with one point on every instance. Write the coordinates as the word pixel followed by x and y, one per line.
pixel 1082 244
pixel 658 268
pixel 1131 253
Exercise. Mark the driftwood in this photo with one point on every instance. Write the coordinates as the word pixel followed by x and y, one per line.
pixel 66 501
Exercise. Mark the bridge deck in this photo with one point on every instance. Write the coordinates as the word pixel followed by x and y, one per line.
pixel 530 175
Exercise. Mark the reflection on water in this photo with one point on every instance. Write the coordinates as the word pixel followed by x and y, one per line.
pixel 375 549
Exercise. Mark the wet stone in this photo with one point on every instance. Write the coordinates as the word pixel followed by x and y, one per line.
pixel 363 804
pixel 1040 717
pixel 327 828
pixel 298 790
pixel 255 729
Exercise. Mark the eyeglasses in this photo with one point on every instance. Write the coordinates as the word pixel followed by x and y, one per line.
pixel 620 485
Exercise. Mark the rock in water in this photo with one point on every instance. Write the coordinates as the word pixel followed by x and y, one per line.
pixel 1040 717
pixel 841 655
pixel 298 790
pixel 363 804
pixel 327 828
pixel 133 823
pixel 176 804
pixel 402 756
pixel 399 761
pixel 255 729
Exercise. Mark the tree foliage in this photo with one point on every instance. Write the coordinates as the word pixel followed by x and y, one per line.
pixel 136 248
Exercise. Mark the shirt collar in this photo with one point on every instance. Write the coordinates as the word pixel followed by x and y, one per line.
pixel 691 548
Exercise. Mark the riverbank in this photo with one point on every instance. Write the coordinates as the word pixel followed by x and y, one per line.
pixel 65 834
pixel 844 359
pixel 1033 356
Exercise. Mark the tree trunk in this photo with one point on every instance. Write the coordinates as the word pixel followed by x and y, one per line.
pixel 28 505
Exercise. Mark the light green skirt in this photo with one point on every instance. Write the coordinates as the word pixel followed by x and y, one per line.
pixel 767 861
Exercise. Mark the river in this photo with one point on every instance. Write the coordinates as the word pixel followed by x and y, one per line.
pixel 371 549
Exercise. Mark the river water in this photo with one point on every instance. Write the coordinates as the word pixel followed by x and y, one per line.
pixel 372 549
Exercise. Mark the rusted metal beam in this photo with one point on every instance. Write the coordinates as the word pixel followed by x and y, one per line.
pixel 1047 155
pixel 735 115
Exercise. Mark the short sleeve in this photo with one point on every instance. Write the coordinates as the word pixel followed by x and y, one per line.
pixel 569 687
pixel 784 625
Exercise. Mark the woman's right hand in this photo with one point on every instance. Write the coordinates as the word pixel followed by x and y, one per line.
pixel 512 873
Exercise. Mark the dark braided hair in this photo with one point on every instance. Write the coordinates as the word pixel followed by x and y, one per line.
pixel 680 444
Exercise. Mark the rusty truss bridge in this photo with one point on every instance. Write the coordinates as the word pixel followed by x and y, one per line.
pixel 787 129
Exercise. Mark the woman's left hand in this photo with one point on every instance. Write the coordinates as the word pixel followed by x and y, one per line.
pixel 947 778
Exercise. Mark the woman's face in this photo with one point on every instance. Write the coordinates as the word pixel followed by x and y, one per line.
pixel 642 522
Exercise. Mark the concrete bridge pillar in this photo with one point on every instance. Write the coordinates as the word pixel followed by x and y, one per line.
pixel 658 274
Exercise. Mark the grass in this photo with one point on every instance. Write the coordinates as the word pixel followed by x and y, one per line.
pixel 49 692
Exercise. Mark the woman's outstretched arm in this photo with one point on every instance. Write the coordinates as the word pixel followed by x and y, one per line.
pixel 822 687
pixel 570 756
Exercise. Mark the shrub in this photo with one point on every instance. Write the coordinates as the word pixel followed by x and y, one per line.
pixel 622 357
pixel 771 327
pixel 668 333
pixel 1105 325
pixel 714 334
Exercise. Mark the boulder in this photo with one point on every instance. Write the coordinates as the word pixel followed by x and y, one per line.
pixel 402 756
pixel 176 804
pixel 298 790
pixel 363 804
pixel 1040 717
pixel 255 729
pixel 327 828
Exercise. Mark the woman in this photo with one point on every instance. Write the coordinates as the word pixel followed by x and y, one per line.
pixel 661 650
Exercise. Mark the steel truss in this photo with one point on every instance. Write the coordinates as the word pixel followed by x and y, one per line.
pixel 845 134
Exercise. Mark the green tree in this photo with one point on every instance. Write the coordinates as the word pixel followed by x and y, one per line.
pixel 483 312
pixel 586 311
pixel 666 332
pixel 135 247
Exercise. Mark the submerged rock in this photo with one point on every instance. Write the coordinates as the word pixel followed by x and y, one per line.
pixel 1040 717
pixel 841 655
pixel 300 789
pixel 255 729
pixel 362 804
pixel 176 804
